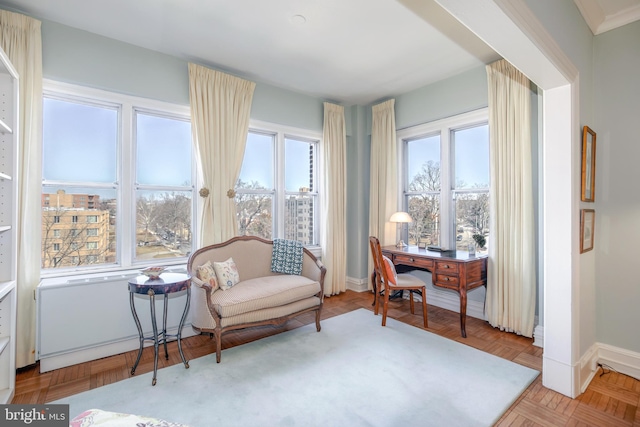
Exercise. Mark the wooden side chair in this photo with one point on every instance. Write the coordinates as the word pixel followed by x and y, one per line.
pixel 386 279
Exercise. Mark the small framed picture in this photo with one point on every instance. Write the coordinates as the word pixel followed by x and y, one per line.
pixel 587 227
pixel 588 182
pixel 422 245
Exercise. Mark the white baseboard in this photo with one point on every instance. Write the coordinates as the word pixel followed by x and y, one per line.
pixel 49 363
pixel 357 285
pixel 538 335
pixel 624 361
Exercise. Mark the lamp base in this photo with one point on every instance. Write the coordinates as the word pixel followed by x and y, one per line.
pixel 401 244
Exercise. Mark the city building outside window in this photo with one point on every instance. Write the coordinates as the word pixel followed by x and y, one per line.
pixel 117 181
pixel 277 191
pixel 445 178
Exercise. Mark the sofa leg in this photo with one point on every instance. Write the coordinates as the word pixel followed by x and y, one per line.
pixel 218 347
pixel 318 320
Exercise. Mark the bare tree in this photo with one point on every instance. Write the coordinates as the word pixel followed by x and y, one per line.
pixel 253 210
pixel 424 204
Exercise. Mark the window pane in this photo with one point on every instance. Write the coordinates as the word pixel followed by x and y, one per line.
pixel 79 142
pixel 471 148
pixel 163 154
pixel 423 164
pixel 255 215
pixel 257 165
pixel 163 224
pixel 472 217
pixel 424 209
pixel 78 227
pixel 299 217
pixel 298 165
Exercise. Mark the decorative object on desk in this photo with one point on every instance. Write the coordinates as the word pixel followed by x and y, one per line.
pixel 422 245
pixel 588 186
pixel 400 218
pixel 587 225
pixel 153 272
pixel 472 249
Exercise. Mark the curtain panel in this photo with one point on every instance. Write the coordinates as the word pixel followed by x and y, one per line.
pixel 511 274
pixel 333 199
pixel 21 39
pixel 220 108
pixel 383 196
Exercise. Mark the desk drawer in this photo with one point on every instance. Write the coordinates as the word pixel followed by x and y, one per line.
pixel 448 281
pixel 409 260
pixel 446 267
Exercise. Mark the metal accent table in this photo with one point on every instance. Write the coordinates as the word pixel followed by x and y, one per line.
pixel 167 283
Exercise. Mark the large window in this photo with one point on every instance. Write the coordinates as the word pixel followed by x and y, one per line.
pixel 117 181
pixel 277 191
pixel 446 180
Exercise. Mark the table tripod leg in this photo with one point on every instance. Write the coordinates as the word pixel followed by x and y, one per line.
pixel 184 316
pixel 140 333
pixel 164 326
pixel 155 335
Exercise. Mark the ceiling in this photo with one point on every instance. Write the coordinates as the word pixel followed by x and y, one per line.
pixel 346 51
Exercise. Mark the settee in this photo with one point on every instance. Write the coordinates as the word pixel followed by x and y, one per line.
pixel 260 296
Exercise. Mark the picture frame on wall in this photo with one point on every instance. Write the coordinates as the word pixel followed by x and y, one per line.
pixel 588 185
pixel 587 228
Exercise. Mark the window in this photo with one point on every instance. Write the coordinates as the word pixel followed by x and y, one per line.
pixel 277 191
pixel 446 180
pixel 56 247
pixel 117 171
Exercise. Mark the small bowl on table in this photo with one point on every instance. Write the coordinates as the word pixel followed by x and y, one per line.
pixel 153 273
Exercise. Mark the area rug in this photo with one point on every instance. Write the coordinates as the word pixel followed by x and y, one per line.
pixel 352 373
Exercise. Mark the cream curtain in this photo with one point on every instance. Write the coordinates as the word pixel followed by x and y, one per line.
pixel 220 108
pixel 22 42
pixel 383 198
pixel 333 199
pixel 511 287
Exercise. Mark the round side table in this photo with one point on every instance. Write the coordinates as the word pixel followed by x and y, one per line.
pixel 165 284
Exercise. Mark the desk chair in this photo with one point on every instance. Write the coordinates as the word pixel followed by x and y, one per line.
pixel 387 279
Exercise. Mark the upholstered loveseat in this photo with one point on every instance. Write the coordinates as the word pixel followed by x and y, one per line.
pixel 260 297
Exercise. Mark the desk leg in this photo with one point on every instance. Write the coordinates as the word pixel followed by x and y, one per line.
pixel 152 300
pixel 463 312
pixel 140 333
pixel 184 316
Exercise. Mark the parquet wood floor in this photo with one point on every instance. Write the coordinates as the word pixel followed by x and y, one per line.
pixel 611 399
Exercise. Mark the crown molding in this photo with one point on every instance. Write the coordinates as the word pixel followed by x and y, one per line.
pixel 599 22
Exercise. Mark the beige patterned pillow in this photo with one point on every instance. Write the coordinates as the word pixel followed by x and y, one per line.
pixel 227 273
pixel 207 274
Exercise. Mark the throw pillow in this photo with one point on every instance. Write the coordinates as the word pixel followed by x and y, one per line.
pixel 207 274
pixel 391 270
pixel 287 256
pixel 227 273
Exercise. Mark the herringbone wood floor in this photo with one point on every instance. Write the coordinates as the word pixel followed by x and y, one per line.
pixel 610 400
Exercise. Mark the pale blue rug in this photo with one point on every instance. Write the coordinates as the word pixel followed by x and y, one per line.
pixel 353 373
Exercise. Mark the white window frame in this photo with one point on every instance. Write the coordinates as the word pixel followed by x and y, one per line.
pixel 126 162
pixel 444 128
pixel 280 133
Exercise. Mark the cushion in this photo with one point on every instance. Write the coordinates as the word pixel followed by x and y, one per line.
pixel 227 273
pixel 287 256
pixel 391 270
pixel 207 274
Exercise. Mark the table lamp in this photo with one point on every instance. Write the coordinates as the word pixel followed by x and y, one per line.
pixel 400 218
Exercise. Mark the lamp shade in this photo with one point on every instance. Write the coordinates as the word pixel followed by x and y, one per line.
pixel 400 217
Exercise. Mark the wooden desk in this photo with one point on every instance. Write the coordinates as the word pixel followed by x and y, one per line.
pixel 449 270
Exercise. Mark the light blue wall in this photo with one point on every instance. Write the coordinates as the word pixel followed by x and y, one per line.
pixel 617 112
pixel 83 58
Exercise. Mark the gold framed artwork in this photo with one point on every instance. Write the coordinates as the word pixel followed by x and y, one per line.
pixel 588 186
pixel 587 228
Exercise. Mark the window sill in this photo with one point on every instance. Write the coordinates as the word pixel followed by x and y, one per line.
pixel 106 275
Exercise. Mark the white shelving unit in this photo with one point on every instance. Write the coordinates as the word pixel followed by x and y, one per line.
pixel 8 217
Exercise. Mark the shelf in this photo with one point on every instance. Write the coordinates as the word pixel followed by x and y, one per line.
pixel 6 287
pixel 5 176
pixel 4 128
pixel 3 343
pixel 4 228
